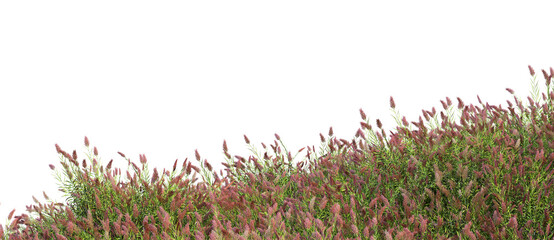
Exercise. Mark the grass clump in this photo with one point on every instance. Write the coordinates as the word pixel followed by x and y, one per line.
pixel 489 177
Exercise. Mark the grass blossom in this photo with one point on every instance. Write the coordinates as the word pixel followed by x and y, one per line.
pixel 487 177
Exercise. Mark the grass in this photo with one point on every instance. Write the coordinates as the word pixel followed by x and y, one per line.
pixel 488 177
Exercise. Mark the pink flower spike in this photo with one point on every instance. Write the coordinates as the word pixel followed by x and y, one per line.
pixel 363 114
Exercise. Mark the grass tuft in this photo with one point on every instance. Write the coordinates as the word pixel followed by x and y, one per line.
pixel 487 177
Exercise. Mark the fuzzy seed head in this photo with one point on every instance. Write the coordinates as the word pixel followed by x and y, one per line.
pixel 545 75
pixel 11 215
pixel 364 125
pixel 510 90
pixel 142 158
pixel 95 151
pixel 175 165
pixel 45 196
pixel 363 114
pixel 444 105
pixel 322 138
pixel 460 103
pixel 513 222
pixel 197 155
pixel 331 131
pixel 51 166
pixel 225 146
pixel 379 125
pixel 246 139
pixel 208 165
pixel 355 229
pixel 307 223
pixel 154 176
pixel 86 141
pixel 277 136
pixel 531 71
pixel 392 105
pixel 335 209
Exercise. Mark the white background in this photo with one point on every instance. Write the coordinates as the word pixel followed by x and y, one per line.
pixel 165 78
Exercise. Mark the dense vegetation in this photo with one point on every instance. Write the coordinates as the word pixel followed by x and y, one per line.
pixel 488 177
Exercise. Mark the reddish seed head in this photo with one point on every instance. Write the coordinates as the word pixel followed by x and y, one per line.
pixel 66 155
pixel 322 138
pixel 335 209
pixel 277 136
pixel 364 125
pixel 392 105
pixel 58 149
pixel 425 114
pixel 175 165
pixel 448 101
pixel 51 166
pixel 11 214
pixel 460 103
pixel 510 90
pixel 109 164
pixel 86 141
pixel 545 74
pixel 197 155
pixel 531 70
pixel 444 105
pixel 225 146
pixel 123 155
pixel 363 114
pixel 95 151
pixel 45 196
pixel 513 222
pixel 154 176
pixel 74 154
pixel 359 133
pixel 246 139
pixel 142 158
pixel 331 131
pixel 379 125
pixel 208 165
pixel 404 121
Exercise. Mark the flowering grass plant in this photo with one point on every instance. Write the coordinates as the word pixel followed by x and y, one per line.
pixel 488 177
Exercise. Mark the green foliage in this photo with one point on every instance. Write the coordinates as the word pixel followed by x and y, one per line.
pixel 488 175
